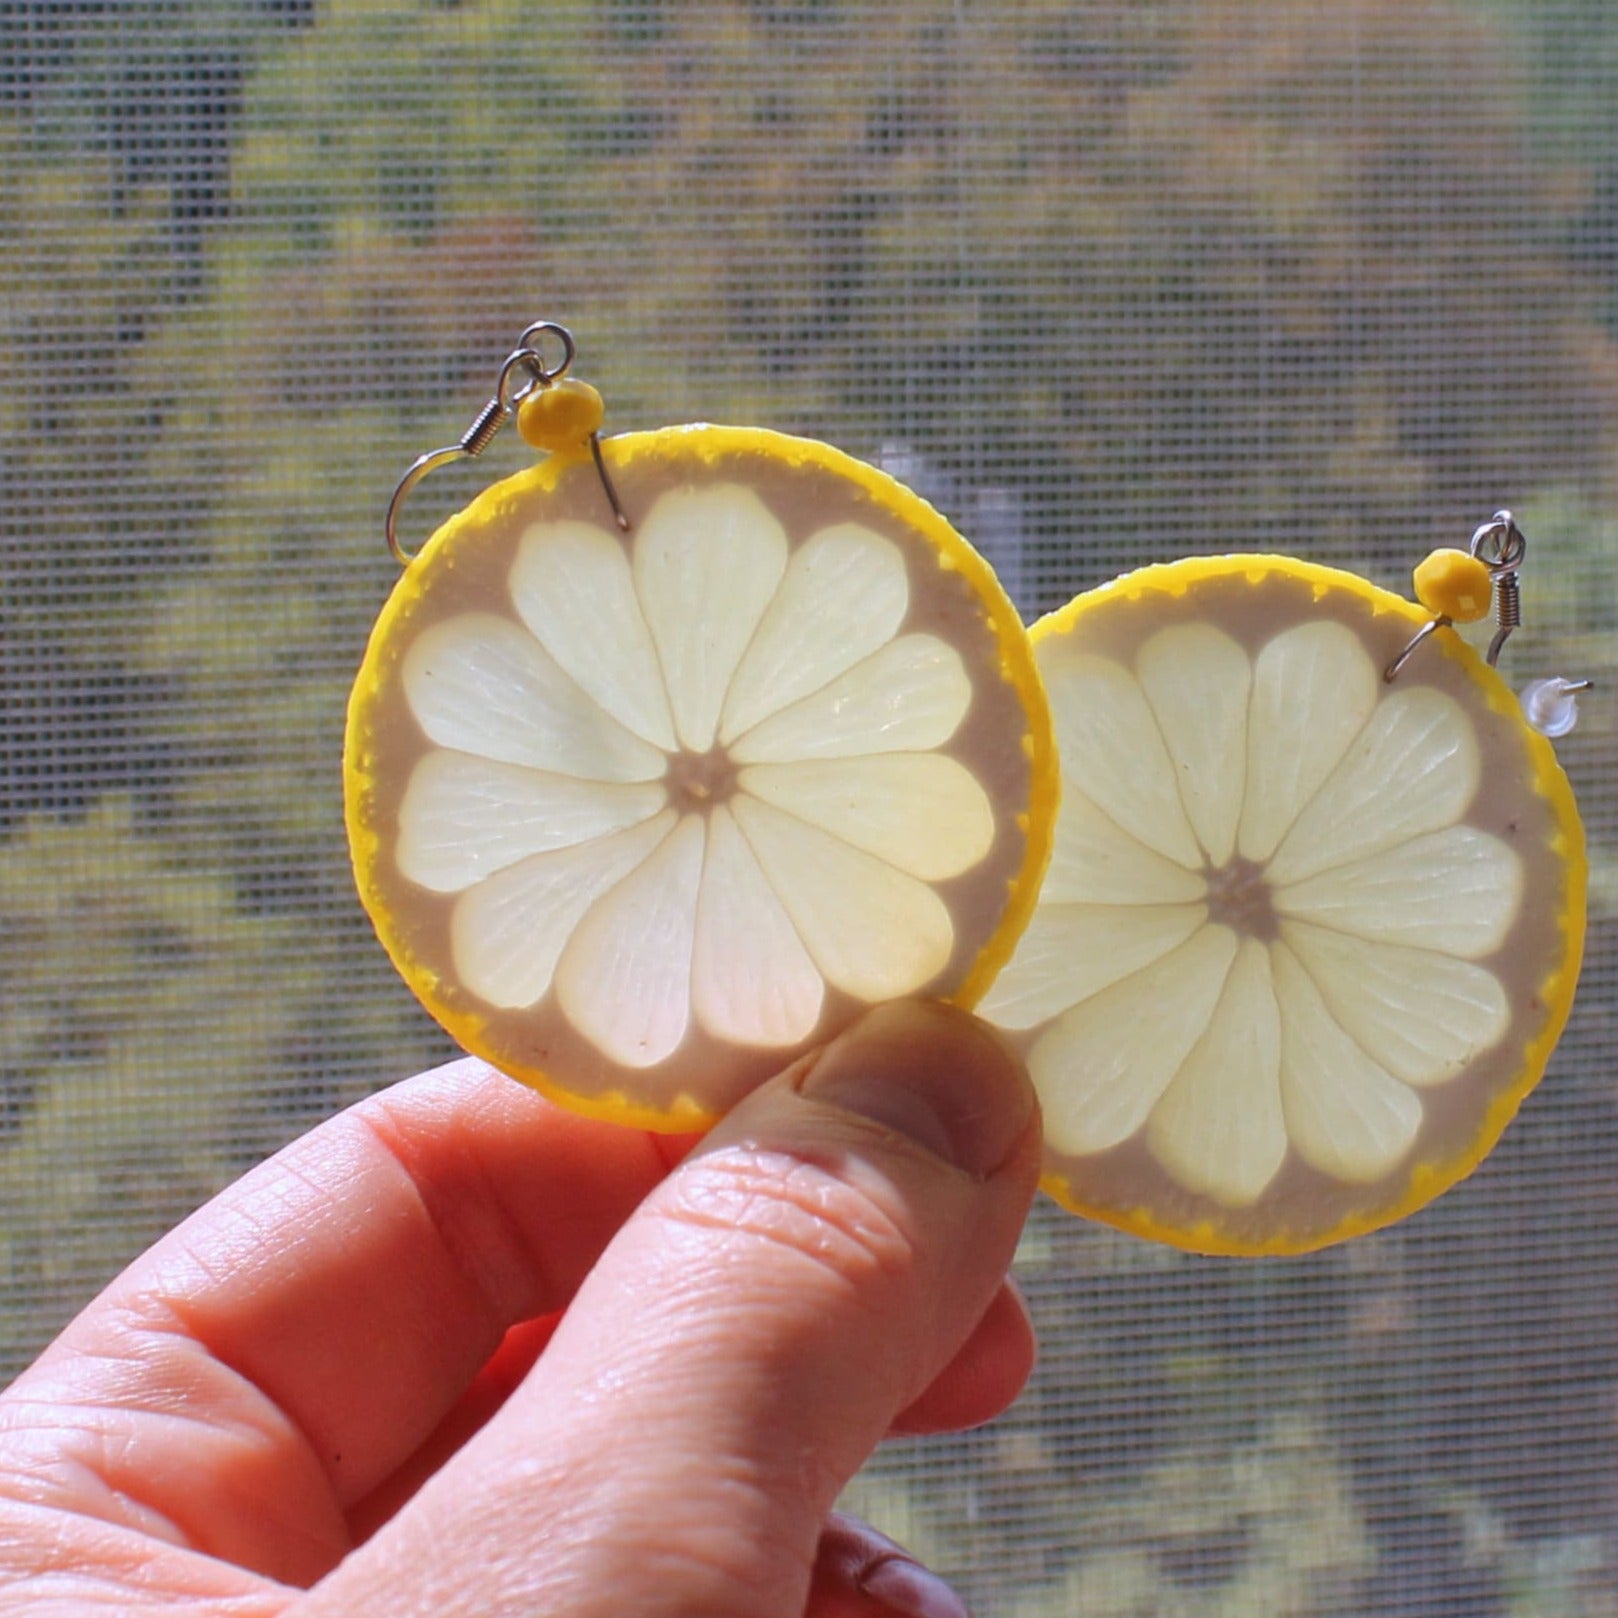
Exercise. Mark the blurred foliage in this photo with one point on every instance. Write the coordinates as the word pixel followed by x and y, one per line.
pixel 1126 280
pixel 1234 272
pixel 83 278
pixel 1268 1526
pixel 117 966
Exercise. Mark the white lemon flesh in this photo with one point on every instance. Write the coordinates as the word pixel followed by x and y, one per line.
pixel 1307 936
pixel 639 816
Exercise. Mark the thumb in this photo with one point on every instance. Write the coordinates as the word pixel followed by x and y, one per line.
pixel 740 1348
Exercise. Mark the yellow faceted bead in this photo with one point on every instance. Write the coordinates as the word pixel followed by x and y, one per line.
pixel 1454 584
pixel 560 416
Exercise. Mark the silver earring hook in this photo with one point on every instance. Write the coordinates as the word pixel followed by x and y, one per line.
pixel 1504 541
pixel 526 362
pixel 1502 535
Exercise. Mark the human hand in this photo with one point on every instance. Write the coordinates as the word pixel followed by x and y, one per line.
pixel 348 1385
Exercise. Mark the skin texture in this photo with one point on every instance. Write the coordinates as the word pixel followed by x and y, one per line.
pixel 457 1352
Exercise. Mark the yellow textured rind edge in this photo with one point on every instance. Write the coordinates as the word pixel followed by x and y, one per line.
pixel 1016 667
pixel 1556 990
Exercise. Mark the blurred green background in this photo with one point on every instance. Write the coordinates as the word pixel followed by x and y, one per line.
pixel 1112 282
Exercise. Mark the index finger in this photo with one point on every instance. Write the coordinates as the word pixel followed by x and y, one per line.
pixel 316 1320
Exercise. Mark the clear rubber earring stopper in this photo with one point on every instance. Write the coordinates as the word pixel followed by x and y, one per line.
pixel 1551 705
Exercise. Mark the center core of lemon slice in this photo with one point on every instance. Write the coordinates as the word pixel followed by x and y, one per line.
pixel 1239 898
pixel 700 781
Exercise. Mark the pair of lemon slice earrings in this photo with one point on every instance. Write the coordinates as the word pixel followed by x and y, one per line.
pixel 675 751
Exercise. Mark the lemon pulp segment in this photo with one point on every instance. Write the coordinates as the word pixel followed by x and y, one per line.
pixel 1308 936
pixel 640 816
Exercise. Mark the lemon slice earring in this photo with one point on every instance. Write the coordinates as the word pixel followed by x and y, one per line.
pixel 1315 913
pixel 673 752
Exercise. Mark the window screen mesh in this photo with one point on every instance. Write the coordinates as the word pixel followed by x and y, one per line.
pixel 1112 282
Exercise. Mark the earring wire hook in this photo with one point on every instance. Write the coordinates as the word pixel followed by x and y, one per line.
pixel 1501 535
pixel 526 359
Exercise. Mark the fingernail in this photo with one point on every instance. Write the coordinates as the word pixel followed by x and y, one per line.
pixel 907 1587
pixel 933 1074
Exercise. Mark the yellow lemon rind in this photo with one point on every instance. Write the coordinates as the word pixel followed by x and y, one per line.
pixel 451 1008
pixel 1425 1180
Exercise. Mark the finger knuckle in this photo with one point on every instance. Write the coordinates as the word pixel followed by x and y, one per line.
pixel 801 1212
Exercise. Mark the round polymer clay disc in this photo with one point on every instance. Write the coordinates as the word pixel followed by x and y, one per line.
pixel 1308 935
pixel 641 815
